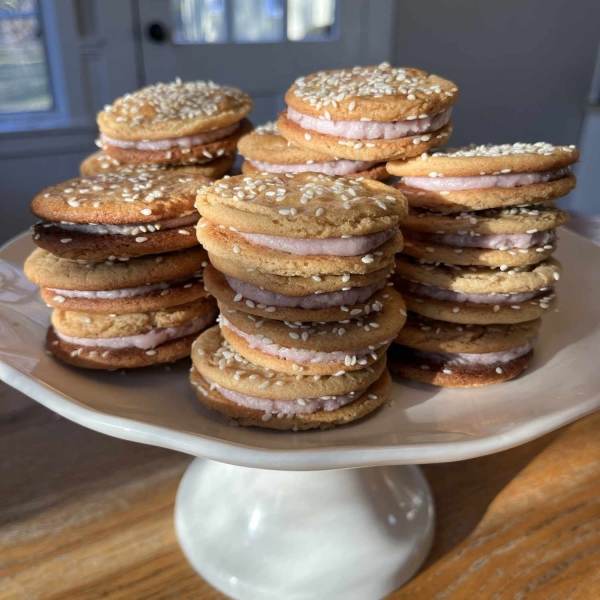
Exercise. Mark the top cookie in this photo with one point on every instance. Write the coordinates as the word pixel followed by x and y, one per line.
pixel 266 144
pixel 170 110
pixel 302 205
pixel 474 161
pixel 380 93
pixel 119 198
pixel 99 163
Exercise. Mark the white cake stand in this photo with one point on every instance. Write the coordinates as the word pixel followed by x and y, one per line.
pixel 274 515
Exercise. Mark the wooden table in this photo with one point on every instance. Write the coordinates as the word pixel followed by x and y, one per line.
pixel 85 516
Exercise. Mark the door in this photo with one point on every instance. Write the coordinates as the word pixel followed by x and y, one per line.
pixel 261 46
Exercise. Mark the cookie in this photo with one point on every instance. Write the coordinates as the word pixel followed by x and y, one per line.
pixel 483 177
pixel 512 220
pixel 316 307
pixel 99 163
pixel 512 250
pixel 429 335
pixel 175 123
pixel 301 286
pixel 443 371
pixel 254 395
pixel 115 214
pixel 315 348
pixel 369 113
pixel 112 341
pixel 137 285
pixel 302 205
pixel 507 309
pixel 479 280
pixel 251 251
pixel 265 150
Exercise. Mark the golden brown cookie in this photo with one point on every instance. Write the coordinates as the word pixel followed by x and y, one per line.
pixel 479 280
pixel 137 285
pixel 265 398
pixel 176 109
pixel 217 285
pixel 402 361
pixel 302 205
pixel 441 336
pixel 99 163
pixel 266 150
pixel 117 214
pixel 127 358
pixel 488 159
pixel 355 149
pixel 315 348
pixel 514 219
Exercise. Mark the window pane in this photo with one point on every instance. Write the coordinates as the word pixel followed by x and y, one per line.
pixel 24 79
pixel 199 21
pixel 258 20
pixel 311 19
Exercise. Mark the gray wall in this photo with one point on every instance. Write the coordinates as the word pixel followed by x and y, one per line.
pixel 524 67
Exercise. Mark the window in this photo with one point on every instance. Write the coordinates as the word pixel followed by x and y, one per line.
pixel 24 76
pixel 253 21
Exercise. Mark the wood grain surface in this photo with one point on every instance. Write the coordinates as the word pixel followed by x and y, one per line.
pixel 85 516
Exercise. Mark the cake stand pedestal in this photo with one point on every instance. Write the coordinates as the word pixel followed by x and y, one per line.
pixel 318 515
pixel 352 534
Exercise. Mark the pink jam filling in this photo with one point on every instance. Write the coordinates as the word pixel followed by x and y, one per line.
pixel 370 130
pixel 503 241
pixel 143 341
pixel 350 246
pixel 287 407
pixel 206 137
pixel 301 355
pixel 436 293
pixel 132 229
pixel 312 302
pixel 501 180
pixel 468 360
pixel 130 292
pixel 336 167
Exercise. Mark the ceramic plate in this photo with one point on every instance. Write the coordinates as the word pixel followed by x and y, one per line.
pixel 425 424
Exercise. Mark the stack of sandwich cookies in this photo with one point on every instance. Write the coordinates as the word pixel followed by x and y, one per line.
pixel 116 216
pixel 265 150
pixel 369 113
pixel 99 163
pixel 300 267
pixel 477 259
pixel 127 314
pixel 175 123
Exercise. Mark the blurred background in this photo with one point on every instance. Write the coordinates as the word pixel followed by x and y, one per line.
pixel 528 70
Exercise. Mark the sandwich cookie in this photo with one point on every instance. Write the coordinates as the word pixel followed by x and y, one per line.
pixel 450 355
pixel 265 150
pixel 175 123
pixel 477 295
pixel 99 163
pixel 346 302
pixel 315 348
pixel 510 236
pixel 140 284
pixel 303 224
pixel 369 113
pixel 253 395
pixel 114 341
pixel 488 176
pixel 117 215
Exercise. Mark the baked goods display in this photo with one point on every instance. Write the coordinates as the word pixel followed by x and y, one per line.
pixel 319 273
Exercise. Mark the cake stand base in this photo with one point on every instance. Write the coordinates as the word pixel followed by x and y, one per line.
pixel 353 534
